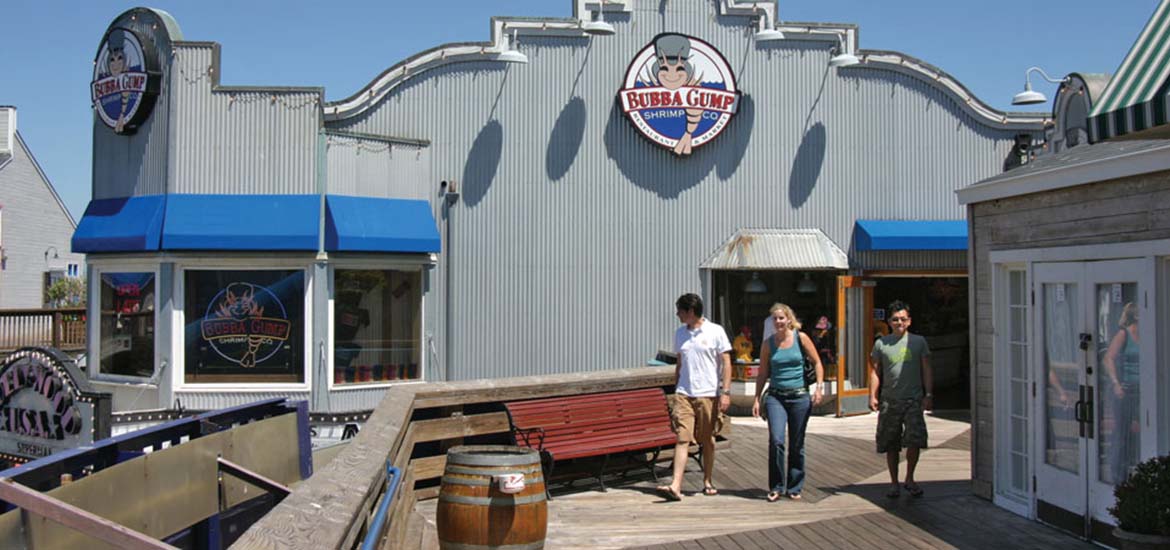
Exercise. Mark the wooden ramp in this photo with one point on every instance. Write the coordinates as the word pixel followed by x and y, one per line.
pixel 844 504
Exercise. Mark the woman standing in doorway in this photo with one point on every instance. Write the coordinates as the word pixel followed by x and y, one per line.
pixel 787 401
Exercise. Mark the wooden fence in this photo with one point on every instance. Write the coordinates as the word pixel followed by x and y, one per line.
pixel 411 428
pixel 63 329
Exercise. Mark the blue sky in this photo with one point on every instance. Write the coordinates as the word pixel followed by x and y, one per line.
pixel 49 45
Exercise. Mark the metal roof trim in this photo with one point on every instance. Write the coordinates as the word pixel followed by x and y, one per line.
pixel 765 248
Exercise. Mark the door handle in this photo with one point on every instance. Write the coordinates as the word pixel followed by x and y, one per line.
pixel 1089 417
pixel 1086 339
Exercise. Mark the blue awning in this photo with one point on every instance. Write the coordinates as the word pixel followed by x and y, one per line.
pixel 910 235
pixel 241 222
pixel 365 224
pixel 127 224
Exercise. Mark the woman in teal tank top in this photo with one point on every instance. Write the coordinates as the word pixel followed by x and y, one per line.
pixel 1122 362
pixel 787 402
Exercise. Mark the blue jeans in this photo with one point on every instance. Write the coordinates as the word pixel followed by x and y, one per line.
pixel 789 411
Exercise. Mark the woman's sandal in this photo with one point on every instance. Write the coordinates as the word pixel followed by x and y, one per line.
pixel 774 496
pixel 914 490
pixel 710 490
pixel 894 492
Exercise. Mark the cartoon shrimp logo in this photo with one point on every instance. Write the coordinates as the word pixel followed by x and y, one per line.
pixel 679 92
pixel 238 330
pixel 120 81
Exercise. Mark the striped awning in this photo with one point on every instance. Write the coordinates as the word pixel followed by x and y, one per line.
pixel 761 249
pixel 1136 97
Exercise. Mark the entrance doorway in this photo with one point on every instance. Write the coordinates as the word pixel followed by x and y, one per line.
pixel 1096 377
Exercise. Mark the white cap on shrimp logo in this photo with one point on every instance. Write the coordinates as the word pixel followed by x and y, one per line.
pixel 679 92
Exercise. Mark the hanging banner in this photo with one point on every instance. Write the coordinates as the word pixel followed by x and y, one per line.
pixel 679 92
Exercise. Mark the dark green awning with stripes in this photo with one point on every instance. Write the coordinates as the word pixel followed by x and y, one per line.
pixel 1136 97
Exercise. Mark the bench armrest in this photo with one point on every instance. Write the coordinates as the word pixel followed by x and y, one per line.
pixel 528 434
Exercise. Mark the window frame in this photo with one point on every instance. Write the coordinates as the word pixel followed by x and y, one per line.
pixel 249 263
pixel 376 264
pixel 94 311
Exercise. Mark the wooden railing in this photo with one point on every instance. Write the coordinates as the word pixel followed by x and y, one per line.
pixel 411 429
pixel 63 329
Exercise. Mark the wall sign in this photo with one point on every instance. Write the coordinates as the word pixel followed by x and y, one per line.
pixel 679 92
pixel 47 406
pixel 125 81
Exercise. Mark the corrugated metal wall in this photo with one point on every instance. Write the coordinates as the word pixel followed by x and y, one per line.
pixel 371 168
pixel 146 173
pixel 574 235
pixel 239 140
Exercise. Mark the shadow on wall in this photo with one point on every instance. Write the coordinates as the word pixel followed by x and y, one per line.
pixel 566 138
pixel 482 162
pixel 806 166
pixel 734 140
pixel 652 167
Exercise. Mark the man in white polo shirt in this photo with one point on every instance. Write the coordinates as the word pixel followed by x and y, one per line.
pixel 702 380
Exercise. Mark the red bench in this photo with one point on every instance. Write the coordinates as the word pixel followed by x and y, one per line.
pixel 592 425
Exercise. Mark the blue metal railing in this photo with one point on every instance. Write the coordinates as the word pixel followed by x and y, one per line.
pixel 377 526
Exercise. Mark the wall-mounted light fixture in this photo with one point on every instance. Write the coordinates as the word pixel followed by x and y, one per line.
pixel 767 33
pixel 510 53
pixel 1029 97
pixel 755 286
pixel 844 54
pixel 598 27
pixel 55 256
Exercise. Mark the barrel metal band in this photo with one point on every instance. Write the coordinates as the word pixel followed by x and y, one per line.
pixel 452 469
pixel 495 459
pixel 492 501
pixel 447 545
pixel 481 482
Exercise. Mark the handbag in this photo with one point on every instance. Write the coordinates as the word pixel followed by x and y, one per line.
pixel 810 372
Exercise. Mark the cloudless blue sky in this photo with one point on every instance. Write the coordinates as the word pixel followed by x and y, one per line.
pixel 47 48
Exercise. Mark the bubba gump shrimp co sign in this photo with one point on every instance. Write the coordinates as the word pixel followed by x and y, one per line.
pixel 47 405
pixel 679 92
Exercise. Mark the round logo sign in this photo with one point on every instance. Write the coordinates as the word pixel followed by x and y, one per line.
pixel 121 89
pixel 679 92
pixel 245 324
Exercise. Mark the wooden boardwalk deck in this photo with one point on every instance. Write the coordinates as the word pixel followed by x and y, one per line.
pixel 844 505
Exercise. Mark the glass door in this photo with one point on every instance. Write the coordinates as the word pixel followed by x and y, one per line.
pixel 1116 310
pixel 1060 403
pixel 1092 409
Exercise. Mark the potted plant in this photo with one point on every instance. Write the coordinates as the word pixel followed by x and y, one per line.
pixel 1142 506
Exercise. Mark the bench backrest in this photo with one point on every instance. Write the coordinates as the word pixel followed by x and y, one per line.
pixel 575 419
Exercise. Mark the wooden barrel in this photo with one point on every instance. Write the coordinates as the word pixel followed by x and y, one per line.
pixel 474 514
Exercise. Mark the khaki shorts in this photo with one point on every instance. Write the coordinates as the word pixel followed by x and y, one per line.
pixel 694 419
pixel 900 425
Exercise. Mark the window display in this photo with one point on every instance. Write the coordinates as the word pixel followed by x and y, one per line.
pixel 127 324
pixel 244 326
pixel 376 317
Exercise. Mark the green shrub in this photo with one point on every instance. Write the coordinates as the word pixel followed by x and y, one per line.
pixel 1143 499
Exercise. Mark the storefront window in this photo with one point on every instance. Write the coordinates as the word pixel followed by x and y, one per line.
pixel 376 317
pixel 127 324
pixel 244 326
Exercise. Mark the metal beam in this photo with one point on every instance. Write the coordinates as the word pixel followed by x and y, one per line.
pixel 254 478
pixel 75 518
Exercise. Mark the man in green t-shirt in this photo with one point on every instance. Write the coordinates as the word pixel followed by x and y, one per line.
pixel 899 389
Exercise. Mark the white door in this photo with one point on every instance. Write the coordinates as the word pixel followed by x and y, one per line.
pixel 1095 415
pixel 1060 357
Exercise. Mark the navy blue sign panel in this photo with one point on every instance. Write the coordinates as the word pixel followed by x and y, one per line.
pixel 125 80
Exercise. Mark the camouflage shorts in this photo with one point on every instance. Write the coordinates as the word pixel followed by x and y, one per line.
pixel 900 424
